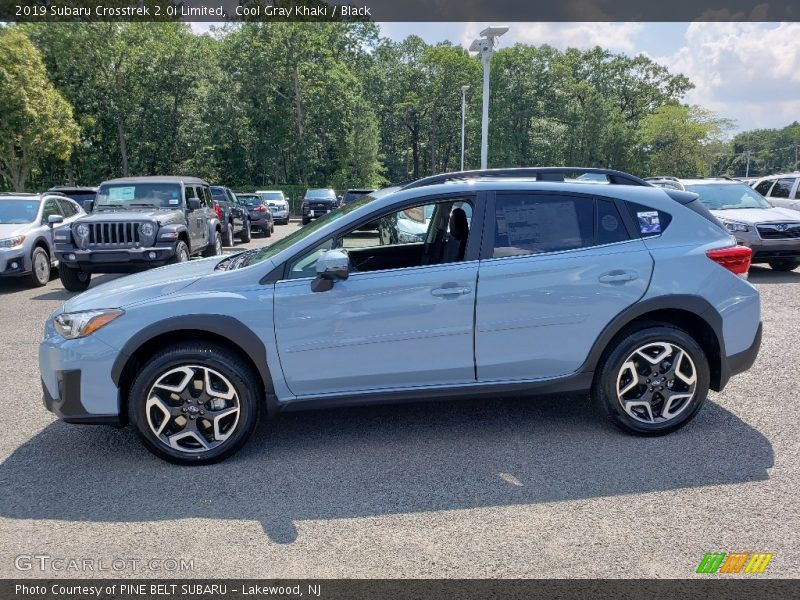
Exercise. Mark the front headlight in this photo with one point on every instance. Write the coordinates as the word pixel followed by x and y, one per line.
pixel 80 324
pixel 735 226
pixel 12 242
pixel 147 233
pixel 81 233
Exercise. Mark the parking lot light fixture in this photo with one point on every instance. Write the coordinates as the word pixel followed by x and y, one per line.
pixel 484 46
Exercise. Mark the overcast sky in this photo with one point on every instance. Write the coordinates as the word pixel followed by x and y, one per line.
pixel 749 72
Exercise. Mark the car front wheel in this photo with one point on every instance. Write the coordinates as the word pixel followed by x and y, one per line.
pixel 229 241
pixel 653 381
pixel 74 280
pixel 195 403
pixel 246 234
pixel 40 267
pixel 181 253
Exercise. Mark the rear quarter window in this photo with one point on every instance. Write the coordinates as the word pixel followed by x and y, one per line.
pixel 648 221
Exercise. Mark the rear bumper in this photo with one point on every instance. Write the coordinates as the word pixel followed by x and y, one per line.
pixel 263 224
pixel 121 260
pixel 741 361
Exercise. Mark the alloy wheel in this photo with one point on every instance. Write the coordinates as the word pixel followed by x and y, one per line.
pixel 657 382
pixel 218 245
pixel 192 408
pixel 41 267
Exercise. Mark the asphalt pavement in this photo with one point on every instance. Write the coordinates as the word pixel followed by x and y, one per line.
pixel 502 488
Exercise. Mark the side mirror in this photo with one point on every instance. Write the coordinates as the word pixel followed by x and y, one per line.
pixel 193 204
pixel 88 206
pixel 54 220
pixel 333 265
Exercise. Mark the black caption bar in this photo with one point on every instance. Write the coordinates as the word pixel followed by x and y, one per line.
pixel 414 589
pixel 400 10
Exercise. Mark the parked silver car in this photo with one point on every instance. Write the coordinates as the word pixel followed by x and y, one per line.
pixel 772 233
pixel 781 190
pixel 27 222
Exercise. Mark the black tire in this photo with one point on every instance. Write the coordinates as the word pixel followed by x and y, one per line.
pixel 215 247
pixel 245 381
pixel 181 253
pixel 74 280
pixel 246 234
pixel 604 389
pixel 271 228
pixel 227 239
pixel 306 221
pixel 268 231
pixel 40 267
pixel 784 265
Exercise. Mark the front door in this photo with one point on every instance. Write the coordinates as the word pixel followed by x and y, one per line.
pixel 403 319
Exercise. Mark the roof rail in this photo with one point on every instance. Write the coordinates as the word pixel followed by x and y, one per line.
pixel 661 178
pixel 538 173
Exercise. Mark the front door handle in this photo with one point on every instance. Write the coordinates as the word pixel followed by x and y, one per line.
pixel 450 291
pixel 618 276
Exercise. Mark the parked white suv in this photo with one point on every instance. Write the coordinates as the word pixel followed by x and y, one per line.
pixel 781 190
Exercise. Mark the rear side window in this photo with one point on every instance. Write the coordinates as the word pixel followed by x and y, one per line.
pixel 609 227
pixel 782 189
pixel 763 187
pixel 652 222
pixel 536 223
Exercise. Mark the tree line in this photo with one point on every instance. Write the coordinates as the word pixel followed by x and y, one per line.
pixel 336 104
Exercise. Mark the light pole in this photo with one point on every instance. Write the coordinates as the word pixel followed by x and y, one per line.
pixel 464 89
pixel 484 46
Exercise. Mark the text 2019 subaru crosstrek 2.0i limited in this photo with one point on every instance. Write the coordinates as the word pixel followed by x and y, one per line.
pixel 524 281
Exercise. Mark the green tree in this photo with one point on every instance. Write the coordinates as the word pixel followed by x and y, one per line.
pixel 35 119
pixel 676 138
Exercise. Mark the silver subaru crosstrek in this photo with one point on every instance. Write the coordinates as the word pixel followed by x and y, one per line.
pixel 27 222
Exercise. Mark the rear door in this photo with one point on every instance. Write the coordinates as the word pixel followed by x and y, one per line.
pixel 557 269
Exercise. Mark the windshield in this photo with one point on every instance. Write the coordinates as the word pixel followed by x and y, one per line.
pixel 314 194
pixel 725 196
pixel 272 195
pixel 306 230
pixel 18 211
pixel 162 195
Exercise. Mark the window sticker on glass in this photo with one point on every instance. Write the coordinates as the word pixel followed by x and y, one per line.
pixel 174 201
pixel 121 193
pixel 649 222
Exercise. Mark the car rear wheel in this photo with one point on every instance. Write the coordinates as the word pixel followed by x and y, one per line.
pixel 246 235
pixel 784 265
pixel 40 267
pixel 74 280
pixel 195 403
pixel 229 241
pixel 653 380
pixel 215 247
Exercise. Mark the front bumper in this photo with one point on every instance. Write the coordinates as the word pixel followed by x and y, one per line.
pixel 280 215
pixel 76 378
pixel 767 250
pixel 122 260
pixel 11 257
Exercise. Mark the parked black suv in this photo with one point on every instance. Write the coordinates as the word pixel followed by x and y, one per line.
pixel 84 196
pixel 138 223
pixel 318 202
pixel 233 217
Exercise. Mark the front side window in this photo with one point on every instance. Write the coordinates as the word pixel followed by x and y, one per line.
pixel 536 223
pixel 161 195
pixel 763 187
pixel 204 194
pixel 427 234
pixel 68 208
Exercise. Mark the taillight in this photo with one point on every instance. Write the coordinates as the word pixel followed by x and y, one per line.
pixel 218 210
pixel 736 259
pixel 260 209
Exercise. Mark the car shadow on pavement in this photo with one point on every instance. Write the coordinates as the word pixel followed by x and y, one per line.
pixel 372 461
pixel 766 275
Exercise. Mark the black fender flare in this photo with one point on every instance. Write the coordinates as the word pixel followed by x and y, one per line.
pixel 696 305
pixel 234 331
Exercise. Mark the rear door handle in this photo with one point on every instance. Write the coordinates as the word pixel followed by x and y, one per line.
pixel 450 291
pixel 617 276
